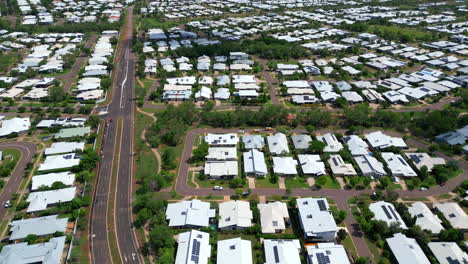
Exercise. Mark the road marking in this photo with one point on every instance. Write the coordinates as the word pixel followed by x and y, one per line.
pixel 122 86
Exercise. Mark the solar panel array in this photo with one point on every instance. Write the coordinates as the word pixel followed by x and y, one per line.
pixel 275 252
pixel 322 258
pixel 195 251
pixel 322 206
pixel 384 208
pixel 393 212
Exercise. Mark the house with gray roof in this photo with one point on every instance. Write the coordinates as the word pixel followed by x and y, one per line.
pixel 332 143
pixel 284 166
pixel 45 253
pixel 311 164
pixel 39 201
pixel 301 141
pixel 189 214
pixel 73 132
pixel 423 159
pixel 254 163
pixel 278 144
pixel 370 166
pixel 39 226
pixel 448 253
pixel 398 165
pixel 316 219
pixel 253 142
pixel 406 250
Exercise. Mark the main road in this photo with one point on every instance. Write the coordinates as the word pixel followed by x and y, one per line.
pixel 120 110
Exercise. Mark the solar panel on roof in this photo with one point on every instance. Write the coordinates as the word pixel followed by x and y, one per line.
pixel 275 252
pixel 393 212
pixel 322 206
pixel 322 259
pixel 386 212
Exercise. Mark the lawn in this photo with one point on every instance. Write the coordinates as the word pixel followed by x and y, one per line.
pixel 6 60
pixel 349 246
pixel 265 183
pixel 298 182
pixel 210 183
pixel 330 183
pixel 146 162
pixel 420 199
pixel 15 154
pixel 394 186
pixel 444 196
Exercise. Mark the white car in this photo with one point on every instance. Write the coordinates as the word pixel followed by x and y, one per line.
pixel 7 204
pixel 217 188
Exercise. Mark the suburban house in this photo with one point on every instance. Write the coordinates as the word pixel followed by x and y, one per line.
pixel 222 154
pixel 454 214
pixel 406 250
pixel 332 143
pixel 423 159
pixel 273 217
pixel 46 252
pixel 370 166
pixel 64 147
pixel 282 251
pixel 398 165
pixel 253 142
pixel 48 179
pixel 357 146
pixel 386 212
pixel 222 140
pixel 234 251
pixel 234 215
pixel 221 169
pixel 316 219
pixel 278 144
pixel 448 252
pixel 379 140
pixel 193 247
pixel 339 167
pixel 329 253
pixel 284 166
pixel 56 162
pixel 301 141
pixel 254 163
pixel 311 164
pixel 40 226
pixel 39 201
pixel 189 214
pixel 425 218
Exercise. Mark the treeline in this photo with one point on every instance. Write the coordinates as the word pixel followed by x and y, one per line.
pixel 72 27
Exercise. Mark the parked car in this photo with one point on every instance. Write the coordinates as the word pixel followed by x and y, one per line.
pixel 423 189
pixel 217 188
pixel 7 204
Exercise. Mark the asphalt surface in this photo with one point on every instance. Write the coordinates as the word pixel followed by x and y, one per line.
pixel 27 150
pixel 339 195
pixel 121 107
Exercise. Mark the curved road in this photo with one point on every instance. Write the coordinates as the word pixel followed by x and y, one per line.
pixel 27 150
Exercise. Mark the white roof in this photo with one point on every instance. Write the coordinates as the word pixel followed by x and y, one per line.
pixel 339 167
pixel 336 254
pixel 39 226
pixel 311 164
pixel 193 248
pixel 222 139
pixel 282 251
pixel 278 144
pixel 333 145
pixel 254 162
pixel 253 141
pixel 243 79
pixel 14 125
pixel 46 253
pixel 386 212
pixel 66 178
pixel 406 250
pixel 356 145
pixel 222 153
pixel 380 140
pixel 454 214
pixel 423 159
pixel 284 165
pixel 272 216
pixel 448 253
pixel 221 168
pixel 40 200
pixel 59 162
pixel 189 213
pixel 235 213
pixel 234 251
pixel 370 166
pixel 64 147
pixel 315 216
pixel 425 218
pixel 398 165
